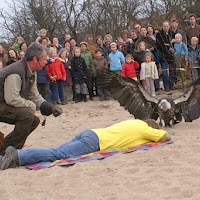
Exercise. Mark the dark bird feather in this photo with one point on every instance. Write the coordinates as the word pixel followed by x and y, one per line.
pixel 134 98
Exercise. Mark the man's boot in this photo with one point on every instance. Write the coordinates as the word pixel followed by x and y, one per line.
pixel 10 159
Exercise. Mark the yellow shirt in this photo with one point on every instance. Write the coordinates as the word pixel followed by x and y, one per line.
pixel 128 133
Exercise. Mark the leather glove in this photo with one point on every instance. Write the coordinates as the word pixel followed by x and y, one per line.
pixel 56 111
pixel 47 109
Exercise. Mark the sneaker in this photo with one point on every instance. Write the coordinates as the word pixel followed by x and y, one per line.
pixel 10 159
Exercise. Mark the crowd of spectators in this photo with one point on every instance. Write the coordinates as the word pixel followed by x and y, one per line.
pixel 145 54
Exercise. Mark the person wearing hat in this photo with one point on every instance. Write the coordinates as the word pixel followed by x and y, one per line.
pixel 174 28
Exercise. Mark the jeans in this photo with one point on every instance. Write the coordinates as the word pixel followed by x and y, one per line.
pixel 48 92
pixel 57 90
pixel 84 143
pixel 168 74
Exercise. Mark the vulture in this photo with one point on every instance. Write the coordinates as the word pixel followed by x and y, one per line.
pixel 134 98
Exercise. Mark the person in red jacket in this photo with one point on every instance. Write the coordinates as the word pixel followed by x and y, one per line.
pixel 129 67
pixel 57 74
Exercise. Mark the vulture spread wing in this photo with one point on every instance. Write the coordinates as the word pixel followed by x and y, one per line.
pixel 189 103
pixel 131 95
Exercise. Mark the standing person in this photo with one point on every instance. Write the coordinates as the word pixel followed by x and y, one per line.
pixel 23 47
pixel 165 48
pixel 42 34
pixel 68 92
pixel 149 73
pixel 87 56
pixel 73 44
pixel 193 54
pixel 138 28
pixel 100 65
pixel 3 55
pixel 43 82
pixel 128 133
pixel 151 34
pixel 19 96
pixel 175 29
pixel 193 30
pixel 55 42
pixel 90 45
pixel 129 68
pixel 107 41
pixel 17 43
pixel 131 47
pixel 125 42
pixel 180 51
pixel 12 56
pixel 116 59
pixel 100 45
pixel 57 75
pixel 150 42
pixel 79 75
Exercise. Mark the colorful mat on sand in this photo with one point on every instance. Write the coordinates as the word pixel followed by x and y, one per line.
pixel 95 156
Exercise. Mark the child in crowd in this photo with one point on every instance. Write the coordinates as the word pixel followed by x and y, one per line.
pixel 149 73
pixel 180 51
pixel 89 62
pixel 129 68
pixel 21 54
pixel 100 65
pixel 139 53
pixel 68 92
pixel 42 34
pixel 193 53
pixel 17 43
pixel 79 75
pixel 116 59
pixel 57 74
pixel 12 56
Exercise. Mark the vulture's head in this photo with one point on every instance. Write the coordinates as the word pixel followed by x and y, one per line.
pixel 164 105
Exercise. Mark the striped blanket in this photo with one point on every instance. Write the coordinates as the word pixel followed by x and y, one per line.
pixel 95 156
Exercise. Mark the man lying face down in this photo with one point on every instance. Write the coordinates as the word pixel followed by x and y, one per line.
pixel 124 134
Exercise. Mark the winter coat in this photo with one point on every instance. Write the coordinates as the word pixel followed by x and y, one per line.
pixel 192 32
pixel 100 64
pixel 163 42
pixel 79 70
pixel 154 71
pixel 42 76
pixel 180 49
pixel 68 80
pixel 194 56
pixel 116 60
pixel 88 59
pixel 129 69
pixel 56 69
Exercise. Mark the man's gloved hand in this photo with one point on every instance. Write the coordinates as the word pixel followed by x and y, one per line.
pixel 56 111
pixel 47 109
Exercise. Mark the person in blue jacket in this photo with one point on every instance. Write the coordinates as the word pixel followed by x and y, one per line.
pixel 116 59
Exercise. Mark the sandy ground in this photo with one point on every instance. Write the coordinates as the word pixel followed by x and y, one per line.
pixel 169 172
